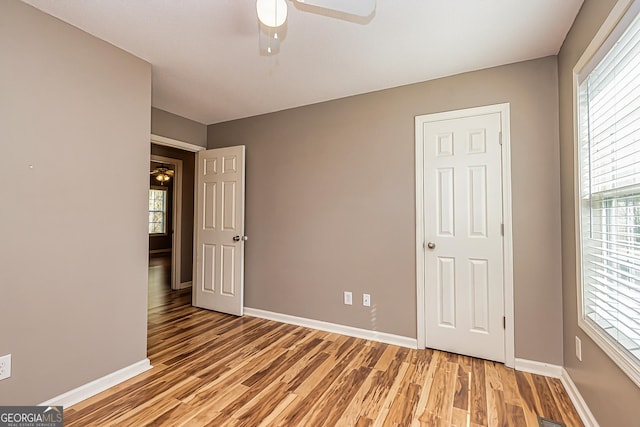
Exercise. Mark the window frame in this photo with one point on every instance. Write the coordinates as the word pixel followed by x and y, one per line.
pixel 620 18
pixel 165 212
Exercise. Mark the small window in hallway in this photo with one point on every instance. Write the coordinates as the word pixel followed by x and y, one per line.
pixel 157 211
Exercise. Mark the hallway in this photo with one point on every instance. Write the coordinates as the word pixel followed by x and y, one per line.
pixel 160 293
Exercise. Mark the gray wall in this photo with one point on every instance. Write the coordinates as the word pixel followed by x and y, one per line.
pixel 331 202
pixel 612 397
pixel 177 127
pixel 73 252
pixel 188 174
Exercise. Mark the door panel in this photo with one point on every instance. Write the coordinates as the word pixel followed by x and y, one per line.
pixel 219 230
pixel 227 262
pixel 209 204
pixel 445 203
pixel 229 205
pixel 447 291
pixel 479 282
pixel 209 268
pixel 477 201
pixel 463 218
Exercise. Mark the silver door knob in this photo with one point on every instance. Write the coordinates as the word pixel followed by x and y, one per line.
pixel 431 245
pixel 238 238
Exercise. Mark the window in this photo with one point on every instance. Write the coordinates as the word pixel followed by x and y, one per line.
pixel 608 92
pixel 157 211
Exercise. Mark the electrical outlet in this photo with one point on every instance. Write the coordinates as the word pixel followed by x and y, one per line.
pixel 5 367
pixel 366 300
pixel 348 298
pixel 579 349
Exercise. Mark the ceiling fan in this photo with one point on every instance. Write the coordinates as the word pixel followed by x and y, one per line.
pixel 272 15
pixel 361 8
pixel 162 174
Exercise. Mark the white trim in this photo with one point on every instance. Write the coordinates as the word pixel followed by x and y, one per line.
pixel 578 402
pixel 625 363
pixel 176 222
pixel 169 142
pixel 507 241
pixel 617 15
pixel 334 327
pixel 420 233
pixel 538 368
pixel 185 285
pixel 83 392
pixel 509 312
pixel 556 371
pixel 618 11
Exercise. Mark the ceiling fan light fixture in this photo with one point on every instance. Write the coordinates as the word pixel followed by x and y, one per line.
pixel 162 177
pixel 162 174
pixel 272 13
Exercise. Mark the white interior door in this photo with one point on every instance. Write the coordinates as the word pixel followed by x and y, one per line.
pixel 219 230
pixel 463 239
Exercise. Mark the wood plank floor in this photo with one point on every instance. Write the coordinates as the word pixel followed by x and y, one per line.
pixel 211 369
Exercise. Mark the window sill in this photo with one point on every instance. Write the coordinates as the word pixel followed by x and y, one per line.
pixel 628 365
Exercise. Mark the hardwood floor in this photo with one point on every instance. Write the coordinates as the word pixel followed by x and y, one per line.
pixel 211 369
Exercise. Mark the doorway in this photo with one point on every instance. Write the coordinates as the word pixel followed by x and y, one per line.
pixel 463 233
pixel 216 260
pixel 181 157
pixel 173 207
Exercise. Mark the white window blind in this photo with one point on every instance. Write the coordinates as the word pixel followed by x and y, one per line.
pixel 609 175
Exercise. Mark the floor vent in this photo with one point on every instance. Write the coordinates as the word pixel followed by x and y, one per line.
pixel 544 422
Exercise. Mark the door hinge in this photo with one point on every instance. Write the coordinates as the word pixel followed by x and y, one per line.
pixel 500 137
pixel 504 322
pixel 502 229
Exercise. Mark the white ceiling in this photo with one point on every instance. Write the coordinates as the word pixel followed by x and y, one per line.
pixel 207 67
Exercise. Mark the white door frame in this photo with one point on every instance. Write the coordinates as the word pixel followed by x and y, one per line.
pixel 503 110
pixel 174 143
pixel 176 242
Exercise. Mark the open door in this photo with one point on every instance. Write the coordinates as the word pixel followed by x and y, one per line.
pixel 219 230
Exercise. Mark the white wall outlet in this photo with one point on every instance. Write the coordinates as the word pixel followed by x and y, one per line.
pixel 5 367
pixel 579 349
pixel 348 298
pixel 366 300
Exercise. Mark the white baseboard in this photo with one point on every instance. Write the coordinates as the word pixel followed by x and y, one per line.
pixel 334 327
pixel 581 406
pixel 559 372
pixel 185 285
pixel 539 368
pixel 101 384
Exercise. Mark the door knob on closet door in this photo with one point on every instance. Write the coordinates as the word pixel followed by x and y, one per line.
pixel 431 245
pixel 238 238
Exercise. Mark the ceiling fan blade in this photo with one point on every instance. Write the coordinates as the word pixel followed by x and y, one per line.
pixel 362 8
